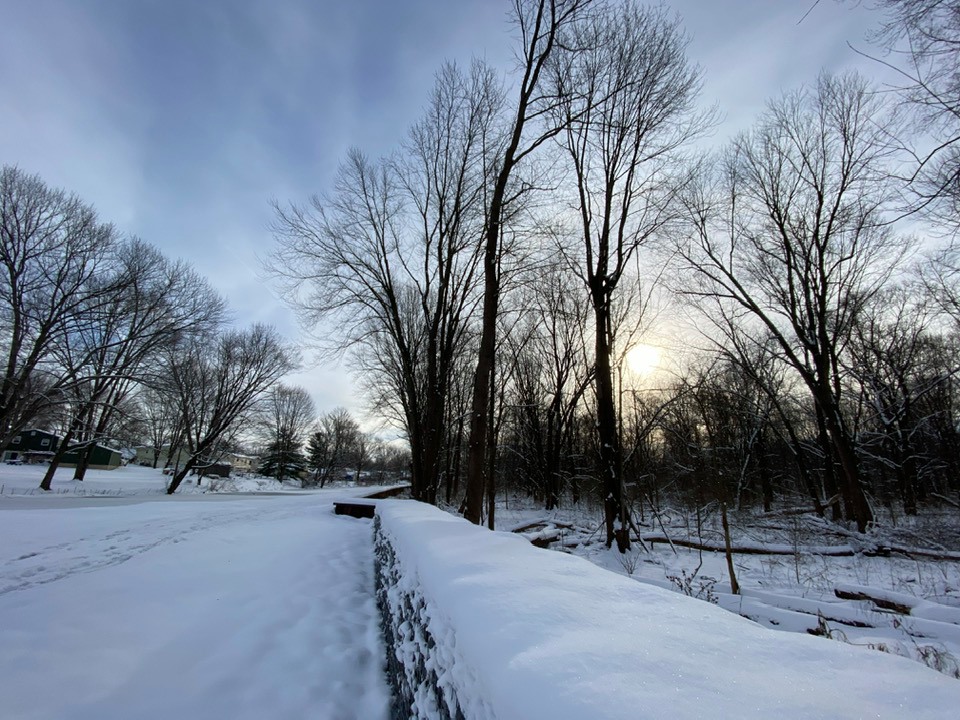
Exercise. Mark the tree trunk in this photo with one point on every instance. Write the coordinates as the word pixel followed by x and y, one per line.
pixel 55 461
pixel 830 485
pixel 83 462
pixel 417 471
pixel 855 500
pixel 453 479
pixel 492 455
pixel 610 460
pixel 728 551
pixel 763 465
pixel 181 474
pixel 482 387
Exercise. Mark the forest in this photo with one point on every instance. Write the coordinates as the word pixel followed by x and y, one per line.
pixel 500 277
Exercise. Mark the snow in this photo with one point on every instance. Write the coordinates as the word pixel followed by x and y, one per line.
pixel 117 601
pixel 794 591
pixel 523 632
pixel 19 480
pixel 194 607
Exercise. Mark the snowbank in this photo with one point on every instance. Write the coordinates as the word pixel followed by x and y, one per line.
pixel 483 625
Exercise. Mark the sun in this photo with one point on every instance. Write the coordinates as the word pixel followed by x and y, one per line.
pixel 643 359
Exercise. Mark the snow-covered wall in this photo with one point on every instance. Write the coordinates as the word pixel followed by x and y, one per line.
pixel 483 625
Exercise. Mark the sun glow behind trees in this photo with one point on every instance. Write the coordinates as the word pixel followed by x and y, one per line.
pixel 643 360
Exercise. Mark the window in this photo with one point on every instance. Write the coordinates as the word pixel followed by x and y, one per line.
pixel 16 440
pixel 45 442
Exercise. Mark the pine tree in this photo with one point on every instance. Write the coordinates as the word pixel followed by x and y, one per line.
pixel 318 460
pixel 283 458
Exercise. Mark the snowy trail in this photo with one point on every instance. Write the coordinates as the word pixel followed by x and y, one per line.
pixel 94 541
pixel 243 608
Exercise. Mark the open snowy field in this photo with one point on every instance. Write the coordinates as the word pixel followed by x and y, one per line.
pixel 203 607
pixel 127 481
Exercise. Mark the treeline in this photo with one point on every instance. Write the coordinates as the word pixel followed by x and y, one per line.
pixel 107 340
pixel 299 446
pixel 492 273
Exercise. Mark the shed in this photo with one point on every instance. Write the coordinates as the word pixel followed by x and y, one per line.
pixel 101 458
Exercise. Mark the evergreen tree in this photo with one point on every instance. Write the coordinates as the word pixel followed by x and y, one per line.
pixel 318 458
pixel 283 458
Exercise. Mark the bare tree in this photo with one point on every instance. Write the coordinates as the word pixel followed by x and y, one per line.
pixel 162 421
pixel 52 248
pixel 551 370
pixel 896 359
pixel 923 40
pixel 218 381
pixel 332 445
pixel 540 24
pixel 793 238
pixel 150 304
pixel 392 254
pixel 627 108
pixel 286 415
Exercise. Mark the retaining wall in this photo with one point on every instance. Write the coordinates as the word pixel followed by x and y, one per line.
pixel 481 625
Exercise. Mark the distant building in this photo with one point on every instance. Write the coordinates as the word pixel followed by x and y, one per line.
pixel 213 469
pixel 242 464
pixel 237 463
pixel 31 446
pixel 37 446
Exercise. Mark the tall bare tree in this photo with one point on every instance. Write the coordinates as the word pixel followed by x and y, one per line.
pixel 540 24
pixel 793 237
pixel 286 415
pixel 627 108
pixel 391 253
pixel 52 250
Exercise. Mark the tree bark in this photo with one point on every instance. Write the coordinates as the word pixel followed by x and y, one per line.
pixel 481 400
pixel 608 436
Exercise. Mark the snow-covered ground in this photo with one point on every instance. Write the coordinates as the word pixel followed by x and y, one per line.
pixel 204 607
pixel 126 481
pixel 117 601
pixel 796 588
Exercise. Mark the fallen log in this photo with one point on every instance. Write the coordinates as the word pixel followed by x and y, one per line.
pixel 544 523
pixel 543 538
pixel 829 550
pixel 886 600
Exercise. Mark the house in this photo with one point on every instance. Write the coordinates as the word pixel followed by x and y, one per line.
pixel 31 446
pixel 145 456
pixel 225 462
pixel 242 464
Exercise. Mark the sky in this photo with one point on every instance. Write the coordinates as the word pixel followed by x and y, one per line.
pixel 181 120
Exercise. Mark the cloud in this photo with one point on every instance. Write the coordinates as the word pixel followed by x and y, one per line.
pixel 181 120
